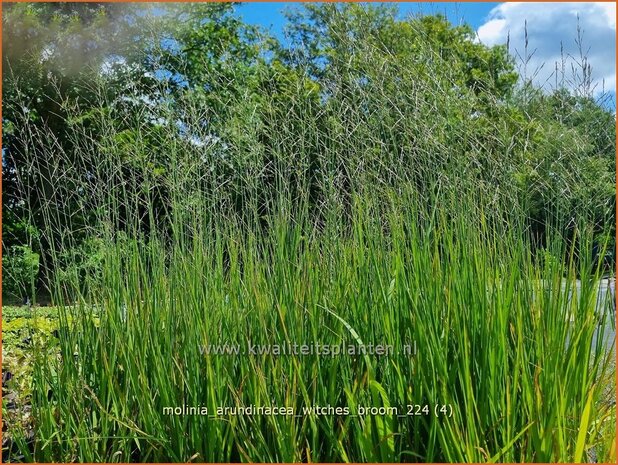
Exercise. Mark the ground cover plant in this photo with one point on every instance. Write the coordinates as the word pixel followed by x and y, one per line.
pixel 204 194
pixel 21 327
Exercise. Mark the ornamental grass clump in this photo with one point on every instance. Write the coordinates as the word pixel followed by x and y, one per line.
pixel 355 247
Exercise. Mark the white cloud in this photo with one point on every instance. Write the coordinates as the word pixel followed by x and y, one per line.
pixel 493 31
pixel 550 25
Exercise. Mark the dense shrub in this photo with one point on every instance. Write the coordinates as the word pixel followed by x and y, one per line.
pixel 20 268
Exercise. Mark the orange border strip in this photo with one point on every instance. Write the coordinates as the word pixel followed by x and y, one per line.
pixel 271 1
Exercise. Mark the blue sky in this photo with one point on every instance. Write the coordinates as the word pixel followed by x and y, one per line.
pixel 269 14
pixel 552 30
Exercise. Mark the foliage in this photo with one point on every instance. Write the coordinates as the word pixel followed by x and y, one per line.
pixel 496 340
pixel 24 331
pixel 570 165
pixel 327 34
pixel 216 81
pixel 209 185
pixel 20 267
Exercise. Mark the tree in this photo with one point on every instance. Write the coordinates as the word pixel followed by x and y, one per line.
pixel 53 52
